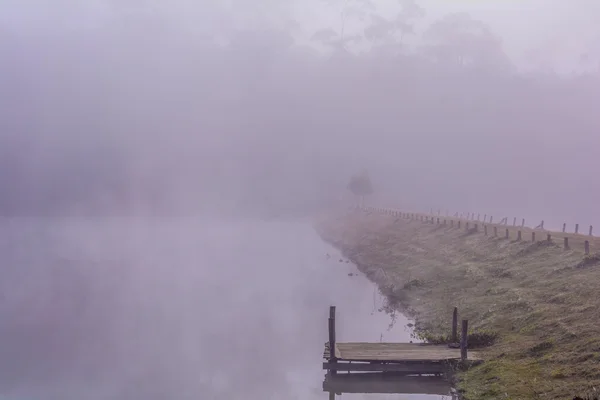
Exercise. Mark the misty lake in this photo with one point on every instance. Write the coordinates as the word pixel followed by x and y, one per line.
pixel 176 309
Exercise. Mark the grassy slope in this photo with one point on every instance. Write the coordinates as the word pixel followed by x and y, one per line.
pixel 544 306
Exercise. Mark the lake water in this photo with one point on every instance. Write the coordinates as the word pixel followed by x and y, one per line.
pixel 176 309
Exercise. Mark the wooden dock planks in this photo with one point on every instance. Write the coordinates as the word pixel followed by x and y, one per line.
pixel 394 352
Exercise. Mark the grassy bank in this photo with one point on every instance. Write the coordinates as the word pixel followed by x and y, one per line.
pixel 542 302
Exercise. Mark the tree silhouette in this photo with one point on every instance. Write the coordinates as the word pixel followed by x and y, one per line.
pixel 360 186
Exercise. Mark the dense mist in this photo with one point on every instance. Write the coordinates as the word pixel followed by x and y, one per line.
pixel 141 141
pixel 156 107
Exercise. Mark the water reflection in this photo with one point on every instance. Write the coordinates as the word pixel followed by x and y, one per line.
pixel 126 309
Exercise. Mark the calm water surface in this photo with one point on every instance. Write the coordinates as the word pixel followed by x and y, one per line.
pixel 176 309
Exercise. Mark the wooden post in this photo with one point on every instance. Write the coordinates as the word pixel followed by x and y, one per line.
pixel 591 228
pixel 495 231
pixel 485 230
pixel 467 226
pixel 484 217
pixel 566 243
pixel 463 340
pixel 523 223
pixel 515 221
pixel 458 224
pixel 586 247
pixel 491 219
pixel 507 233
pixel 518 236
pixel 576 228
pixel 549 237
pixel 455 325
pixel 332 358
pixel 533 237
pixel 564 227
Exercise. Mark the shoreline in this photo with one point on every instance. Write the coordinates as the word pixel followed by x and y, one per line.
pixel 533 305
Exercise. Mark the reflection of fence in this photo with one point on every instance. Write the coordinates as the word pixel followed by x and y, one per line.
pixel 570 241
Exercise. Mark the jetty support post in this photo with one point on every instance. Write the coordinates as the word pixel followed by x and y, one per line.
pixel 463 340
pixel 455 325
pixel 332 358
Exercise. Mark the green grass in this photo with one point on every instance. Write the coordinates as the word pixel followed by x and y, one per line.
pixel 533 308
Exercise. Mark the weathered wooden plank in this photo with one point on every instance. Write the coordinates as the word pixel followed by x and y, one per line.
pixel 362 351
pixel 408 369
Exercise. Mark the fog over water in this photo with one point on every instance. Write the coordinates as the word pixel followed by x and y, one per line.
pixel 160 161
pixel 178 309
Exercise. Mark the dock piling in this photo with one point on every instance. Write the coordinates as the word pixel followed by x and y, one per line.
pixel 455 325
pixel 463 340
pixel 332 358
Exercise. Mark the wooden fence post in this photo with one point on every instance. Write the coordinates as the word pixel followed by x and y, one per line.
pixel 586 247
pixel 495 231
pixel 455 325
pixel 332 358
pixel 519 236
pixel 523 223
pixel 591 228
pixel 463 340
pixel 566 243
pixel 515 221
pixel 485 230
pixel 576 229
pixel 507 233
pixel 533 237
pixel 484 217
pixel 564 227
pixel 467 226
pixel 458 224
pixel 549 238
pixel 491 219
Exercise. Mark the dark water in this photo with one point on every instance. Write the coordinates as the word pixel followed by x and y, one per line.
pixel 176 309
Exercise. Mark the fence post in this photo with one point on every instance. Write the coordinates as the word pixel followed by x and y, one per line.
pixel 491 218
pixel 587 247
pixel 564 227
pixel 458 224
pixel 576 229
pixel 484 217
pixel 566 243
pixel 591 228
pixel 549 238
pixel 523 223
pixel 518 236
pixel 533 237
pixel 495 231
pixel 507 233
pixel 485 230
pixel 515 221
pixel 466 225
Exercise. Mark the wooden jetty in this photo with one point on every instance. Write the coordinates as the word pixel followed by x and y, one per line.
pixel 386 383
pixel 399 358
